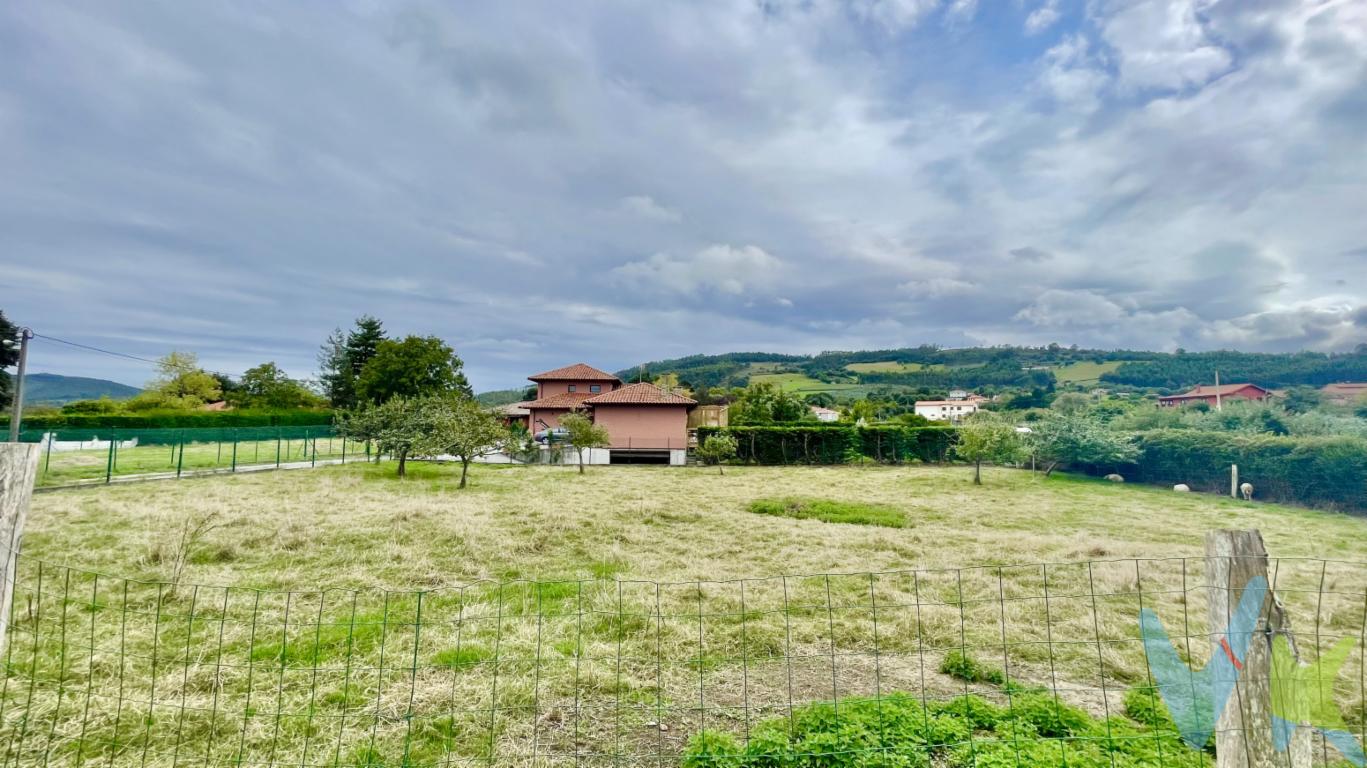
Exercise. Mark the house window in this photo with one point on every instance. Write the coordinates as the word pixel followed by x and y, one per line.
pixel 595 388
pixel 573 387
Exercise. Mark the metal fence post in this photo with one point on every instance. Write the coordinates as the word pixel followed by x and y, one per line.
pixel 109 463
pixel 313 443
pixel 47 461
pixel 234 450
pixel 343 449
pixel 277 448
pixel 180 459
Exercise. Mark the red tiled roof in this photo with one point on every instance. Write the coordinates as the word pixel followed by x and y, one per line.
pixel 639 394
pixel 576 372
pixel 562 400
pixel 1202 390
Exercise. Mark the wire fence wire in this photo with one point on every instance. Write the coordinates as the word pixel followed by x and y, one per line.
pixel 1018 665
pixel 72 456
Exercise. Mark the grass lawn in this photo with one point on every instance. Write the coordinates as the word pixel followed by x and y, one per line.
pixel 1084 371
pixel 596 619
pixel 888 366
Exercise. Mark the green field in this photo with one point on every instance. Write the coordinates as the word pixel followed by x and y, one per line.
pixel 802 384
pixel 1085 371
pixel 542 617
pixel 889 366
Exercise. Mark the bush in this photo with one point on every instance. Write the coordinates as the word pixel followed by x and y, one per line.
pixel 964 667
pixel 1329 472
pixel 831 511
pixel 177 420
pixel 836 443
pixel 901 731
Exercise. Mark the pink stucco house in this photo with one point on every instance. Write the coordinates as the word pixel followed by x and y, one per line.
pixel 644 422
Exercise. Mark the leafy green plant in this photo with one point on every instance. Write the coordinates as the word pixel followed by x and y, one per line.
pixel 964 667
pixel 902 731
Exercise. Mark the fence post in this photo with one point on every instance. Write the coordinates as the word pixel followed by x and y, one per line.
pixel 343 450
pixel 47 461
pixel 234 451
pixel 1243 732
pixel 277 449
pixel 180 457
pixel 1234 481
pixel 109 462
pixel 18 471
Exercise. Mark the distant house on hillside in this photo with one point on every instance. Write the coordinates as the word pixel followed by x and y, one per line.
pixel 644 423
pixel 1210 395
pixel 825 414
pixel 946 410
pixel 1345 392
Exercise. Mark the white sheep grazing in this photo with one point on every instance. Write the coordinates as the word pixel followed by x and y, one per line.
pixel 1115 478
pixel 1247 490
pixel 1182 488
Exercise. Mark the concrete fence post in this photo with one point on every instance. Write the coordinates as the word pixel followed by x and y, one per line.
pixel 1234 481
pixel 1243 732
pixel 18 471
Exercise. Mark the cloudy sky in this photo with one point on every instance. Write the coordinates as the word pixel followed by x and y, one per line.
pixel 546 182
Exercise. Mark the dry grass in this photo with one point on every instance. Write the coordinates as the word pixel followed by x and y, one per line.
pixel 661 602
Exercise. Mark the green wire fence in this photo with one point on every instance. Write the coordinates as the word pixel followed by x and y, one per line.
pixel 84 456
pixel 1004 665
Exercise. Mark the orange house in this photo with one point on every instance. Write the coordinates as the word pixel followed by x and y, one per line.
pixel 1205 394
pixel 644 422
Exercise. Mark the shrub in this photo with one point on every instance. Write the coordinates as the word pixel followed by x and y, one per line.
pixel 836 443
pixel 831 511
pixel 901 731
pixel 964 667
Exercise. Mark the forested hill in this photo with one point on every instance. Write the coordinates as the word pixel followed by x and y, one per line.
pixel 930 367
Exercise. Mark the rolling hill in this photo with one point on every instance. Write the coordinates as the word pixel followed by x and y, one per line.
pixel 55 389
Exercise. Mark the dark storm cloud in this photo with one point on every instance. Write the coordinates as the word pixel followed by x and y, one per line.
pixel 539 183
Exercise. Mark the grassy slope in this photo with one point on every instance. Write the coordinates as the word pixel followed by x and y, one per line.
pixel 356 527
pixel 1074 373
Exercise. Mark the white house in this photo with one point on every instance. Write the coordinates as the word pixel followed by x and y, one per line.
pixel 825 414
pixel 945 410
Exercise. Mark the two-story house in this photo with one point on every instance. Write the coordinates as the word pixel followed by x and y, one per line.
pixel 644 422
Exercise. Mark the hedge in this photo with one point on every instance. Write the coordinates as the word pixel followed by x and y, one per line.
pixel 836 443
pixel 177 419
pixel 1326 472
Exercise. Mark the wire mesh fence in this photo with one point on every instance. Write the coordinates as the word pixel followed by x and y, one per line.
pixel 92 455
pixel 1019 665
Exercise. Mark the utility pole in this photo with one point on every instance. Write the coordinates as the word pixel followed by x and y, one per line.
pixel 1218 405
pixel 24 335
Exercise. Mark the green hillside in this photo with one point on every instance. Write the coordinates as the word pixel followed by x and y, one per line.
pixel 55 389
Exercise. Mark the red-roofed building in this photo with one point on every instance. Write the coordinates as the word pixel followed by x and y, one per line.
pixel 1205 394
pixel 644 422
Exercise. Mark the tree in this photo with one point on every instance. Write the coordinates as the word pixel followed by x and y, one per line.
pixel 267 386
pixel 180 383
pixel 8 357
pixel 988 437
pixel 344 356
pixel 414 367
pixel 394 426
pixel 583 433
pixel 461 427
pixel 716 449
pixel 763 403
pixel 1302 399
pixel 1070 403
pixel 1078 440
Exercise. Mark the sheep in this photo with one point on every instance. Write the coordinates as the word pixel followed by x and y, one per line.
pixel 1182 488
pixel 1246 489
pixel 1115 478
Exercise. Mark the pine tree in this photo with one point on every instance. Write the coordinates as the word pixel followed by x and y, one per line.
pixel 343 356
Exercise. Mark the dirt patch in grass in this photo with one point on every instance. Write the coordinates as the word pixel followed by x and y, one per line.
pixel 830 511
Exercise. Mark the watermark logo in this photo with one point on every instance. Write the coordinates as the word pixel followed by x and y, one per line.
pixel 1300 693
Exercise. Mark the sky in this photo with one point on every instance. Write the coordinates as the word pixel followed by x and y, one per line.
pixel 542 183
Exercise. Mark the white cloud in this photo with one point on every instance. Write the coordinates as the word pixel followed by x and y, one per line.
pixel 937 288
pixel 646 207
pixel 1163 44
pixel 894 15
pixel 724 269
pixel 1042 17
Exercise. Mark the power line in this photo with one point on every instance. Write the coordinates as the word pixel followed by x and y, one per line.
pixel 96 349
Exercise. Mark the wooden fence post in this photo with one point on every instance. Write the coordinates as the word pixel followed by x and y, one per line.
pixel 1243 731
pixel 18 471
